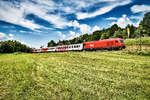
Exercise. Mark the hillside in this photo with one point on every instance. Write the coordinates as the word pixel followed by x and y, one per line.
pixel 74 75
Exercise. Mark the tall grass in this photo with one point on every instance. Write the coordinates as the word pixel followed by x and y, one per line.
pixel 133 45
pixel 136 41
pixel 74 76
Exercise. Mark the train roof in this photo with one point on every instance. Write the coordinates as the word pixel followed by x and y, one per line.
pixel 105 40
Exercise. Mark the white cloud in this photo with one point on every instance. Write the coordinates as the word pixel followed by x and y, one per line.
pixel 123 21
pixel 22 31
pixel 3 36
pixel 111 18
pixel 61 35
pixel 11 35
pixel 84 28
pixel 68 9
pixel 140 8
pixel 69 36
pixel 42 12
pixel 136 17
pixel 102 10
pixel 77 5
pixel 16 13
pixel 95 28
pixel 75 24
pixel 72 35
pixel 15 16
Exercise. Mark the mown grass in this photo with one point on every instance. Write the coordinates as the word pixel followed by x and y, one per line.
pixel 74 76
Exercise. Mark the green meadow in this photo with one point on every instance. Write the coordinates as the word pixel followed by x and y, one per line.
pixel 74 76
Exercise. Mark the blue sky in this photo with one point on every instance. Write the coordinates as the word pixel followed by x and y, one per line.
pixel 36 22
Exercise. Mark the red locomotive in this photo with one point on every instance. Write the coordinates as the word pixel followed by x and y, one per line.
pixel 108 44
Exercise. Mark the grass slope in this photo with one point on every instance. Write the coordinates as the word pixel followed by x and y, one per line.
pixel 74 75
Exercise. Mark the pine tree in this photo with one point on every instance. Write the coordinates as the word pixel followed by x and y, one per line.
pixel 145 24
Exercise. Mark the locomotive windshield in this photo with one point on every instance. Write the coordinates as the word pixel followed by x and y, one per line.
pixel 121 41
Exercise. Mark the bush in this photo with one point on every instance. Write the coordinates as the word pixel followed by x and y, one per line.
pixel 142 53
pixel 11 46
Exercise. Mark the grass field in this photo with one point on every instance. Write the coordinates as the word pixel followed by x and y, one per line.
pixel 74 76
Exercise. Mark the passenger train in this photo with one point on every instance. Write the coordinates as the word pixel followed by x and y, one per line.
pixel 108 44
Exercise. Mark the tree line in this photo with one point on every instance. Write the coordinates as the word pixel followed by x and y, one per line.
pixel 11 46
pixel 130 31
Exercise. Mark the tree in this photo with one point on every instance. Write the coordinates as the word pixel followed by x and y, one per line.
pixel 113 28
pixel 51 43
pixel 105 35
pixel 96 35
pixel 11 46
pixel 130 29
pixel 145 24
pixel 124 34
pixel 118 34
